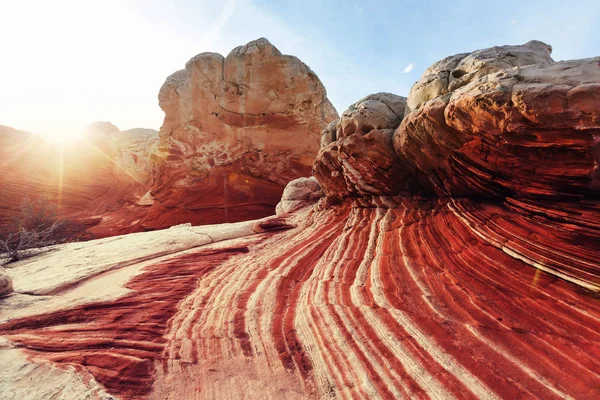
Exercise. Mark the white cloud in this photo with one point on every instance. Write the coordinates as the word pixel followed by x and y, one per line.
pixel 408 68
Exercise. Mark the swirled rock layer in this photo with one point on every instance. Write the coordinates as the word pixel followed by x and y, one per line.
pixel 436 299
pixel 454 254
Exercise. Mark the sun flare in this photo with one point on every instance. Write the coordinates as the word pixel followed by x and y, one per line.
pixel 62 138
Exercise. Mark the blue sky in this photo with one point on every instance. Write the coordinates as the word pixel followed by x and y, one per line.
pixel 71 62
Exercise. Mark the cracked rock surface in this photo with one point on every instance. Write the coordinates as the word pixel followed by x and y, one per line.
pixel 357 156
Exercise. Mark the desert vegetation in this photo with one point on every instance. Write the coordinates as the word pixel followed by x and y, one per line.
pixel 35 227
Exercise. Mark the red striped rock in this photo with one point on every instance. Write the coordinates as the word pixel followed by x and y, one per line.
pixel 521 125
pixel 429 299
pixel 450 259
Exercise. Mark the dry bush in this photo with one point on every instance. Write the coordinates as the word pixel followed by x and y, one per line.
pixel 27 242
pixel 34 228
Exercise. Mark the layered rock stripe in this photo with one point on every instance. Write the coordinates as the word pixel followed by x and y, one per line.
pixel 454 255
pixel 414 301
pixel 505 124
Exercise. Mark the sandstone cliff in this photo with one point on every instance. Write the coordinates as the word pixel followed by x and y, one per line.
pixel 237 129
pixel 87 179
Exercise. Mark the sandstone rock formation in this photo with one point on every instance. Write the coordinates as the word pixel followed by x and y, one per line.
pixel 506 124
pixel 357 157
pixel 448 258
pixel 100 129
pixel 6 286
pixel 458 70
pixel 299 193
pixel 499 130
pixel 82 178
pixel 237 129
pixel 130 150
pixel 135 149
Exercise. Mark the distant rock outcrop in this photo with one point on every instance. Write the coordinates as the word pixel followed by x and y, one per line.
pixel 100 128
pixel 237 129
pixel 136 147
pixel 130 150
pixel 93 180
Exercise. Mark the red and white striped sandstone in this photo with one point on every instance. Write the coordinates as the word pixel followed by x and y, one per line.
pixel 449 259
pixel 419 300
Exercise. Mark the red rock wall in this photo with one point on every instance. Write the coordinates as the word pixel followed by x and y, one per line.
pixel 82 178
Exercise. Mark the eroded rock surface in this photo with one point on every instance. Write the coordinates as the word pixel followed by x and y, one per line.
pixel 6 286
pixel 516 125
pixel 357 158
pixel 459 70
pixel 505 124
pixel 135 149
pixel 448 258
pixel 237 129
pixel 299 193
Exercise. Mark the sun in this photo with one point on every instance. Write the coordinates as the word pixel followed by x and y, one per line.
pixel 62 137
